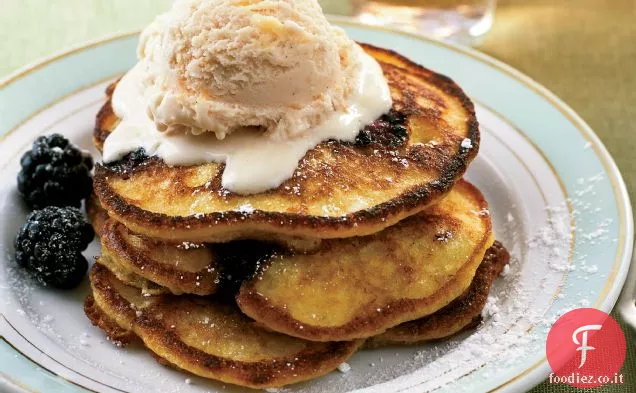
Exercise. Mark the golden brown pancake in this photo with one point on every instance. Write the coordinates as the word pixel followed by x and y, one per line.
pixel 462 313
pixel 181 268
pixel 130 278
pixel 208 338
pixel 115 333
pixel 360 287
pixel 399 165
pixel 160 267
pixel 96 214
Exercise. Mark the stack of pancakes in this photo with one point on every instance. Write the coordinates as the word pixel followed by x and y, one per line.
pixel 370 243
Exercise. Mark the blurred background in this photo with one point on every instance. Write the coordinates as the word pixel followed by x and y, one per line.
pixel 582 50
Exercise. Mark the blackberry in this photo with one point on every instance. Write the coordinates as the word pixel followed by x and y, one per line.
pixel 129 162
pixel 50 244
pixel 389 130
pixel 55 173
pixel 239 261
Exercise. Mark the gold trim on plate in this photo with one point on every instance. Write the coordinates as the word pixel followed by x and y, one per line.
pixel 20 149
pixel 16 384
pixel 558 178
pixel 26 70
pixel 54 360
pixel 42 367
pixel 55 102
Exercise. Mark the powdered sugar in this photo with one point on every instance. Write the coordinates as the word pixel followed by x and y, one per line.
pixel 491 310
pixel 467 143
pixel 246 208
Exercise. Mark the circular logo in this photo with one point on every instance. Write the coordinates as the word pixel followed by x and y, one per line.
pixel 586 348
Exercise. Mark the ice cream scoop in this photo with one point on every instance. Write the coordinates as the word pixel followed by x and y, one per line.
pixel 253 84
pixel 274 66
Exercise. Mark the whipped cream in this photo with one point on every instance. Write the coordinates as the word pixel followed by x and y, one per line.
pixel 254 162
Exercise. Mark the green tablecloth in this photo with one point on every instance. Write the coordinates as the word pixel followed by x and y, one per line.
pixel 583 50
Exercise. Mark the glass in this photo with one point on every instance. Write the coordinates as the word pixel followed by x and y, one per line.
pixel 463 21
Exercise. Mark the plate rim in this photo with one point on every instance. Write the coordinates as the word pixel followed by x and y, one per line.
pixel 608 297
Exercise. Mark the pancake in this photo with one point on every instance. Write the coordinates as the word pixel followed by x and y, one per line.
pixel 207 337
pixel 96 214
pixel 130 278
pixel 180 268
pixel 160 267
pixel 461 314
pixel 399 165
pixel 116 334
pixel 98 217
pixel 360 287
